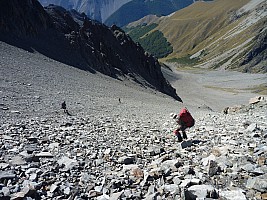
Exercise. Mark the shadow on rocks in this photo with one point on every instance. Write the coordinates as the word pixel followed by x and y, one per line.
pixel 198 141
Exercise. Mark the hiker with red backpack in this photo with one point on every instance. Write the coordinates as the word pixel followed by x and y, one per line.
pixel 185 120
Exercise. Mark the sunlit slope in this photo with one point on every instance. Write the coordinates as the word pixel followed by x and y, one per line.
pixel 222 33
pixel 194 27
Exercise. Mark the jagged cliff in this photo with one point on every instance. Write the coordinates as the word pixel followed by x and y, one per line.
pixel 72 38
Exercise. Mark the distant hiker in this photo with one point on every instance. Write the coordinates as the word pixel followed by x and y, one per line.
pixel 185 120
pixel 64 107
pixel 119 100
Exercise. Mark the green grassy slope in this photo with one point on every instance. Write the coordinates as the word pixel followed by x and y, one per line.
pixel 153 42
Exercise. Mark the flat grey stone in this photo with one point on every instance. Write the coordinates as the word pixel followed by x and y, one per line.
pixel 5 191
pixel 252 127
pixel 233 195
pixel 67 162
pixel 257 184
pixel 17 160
pixel 3 166
pixel 185 144
pixel 44 154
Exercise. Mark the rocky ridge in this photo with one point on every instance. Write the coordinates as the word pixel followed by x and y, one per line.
pixel 98 10
pixel 73 39
pixel 129 156
pixel 113 11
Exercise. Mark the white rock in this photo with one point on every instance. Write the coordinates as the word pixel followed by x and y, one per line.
pixel 53 187
pixel 69 163
pixel 107 151
pixel 256 99
pixel 200 191
pixel 172 188
pixel 233 195
pixel 44 154
pixel 252 127
pixel 103 197
pixel 205 161
pixel 3 165
pixel 129 167
pixel 116 196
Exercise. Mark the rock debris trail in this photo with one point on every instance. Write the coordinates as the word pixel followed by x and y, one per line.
pixel 112 150
pixel 112 157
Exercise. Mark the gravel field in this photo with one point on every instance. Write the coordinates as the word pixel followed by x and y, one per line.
pixel 214 89
pixel 34 85
pixel 108 149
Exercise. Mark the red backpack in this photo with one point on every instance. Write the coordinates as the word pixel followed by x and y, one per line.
pixel 186 117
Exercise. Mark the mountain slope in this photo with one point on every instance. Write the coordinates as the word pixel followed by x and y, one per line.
pixel 221 34
pixel 95 9
pixel 79 42
pixel 120 12
pixel 137 9
pixel 154 42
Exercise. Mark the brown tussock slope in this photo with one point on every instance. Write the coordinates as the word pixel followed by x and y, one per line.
pixel 188 28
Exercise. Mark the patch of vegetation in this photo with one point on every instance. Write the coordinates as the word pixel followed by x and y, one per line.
pixel 230 90
pixel 137 32
pixel 259 89
pixel 184 60
pixel 156 44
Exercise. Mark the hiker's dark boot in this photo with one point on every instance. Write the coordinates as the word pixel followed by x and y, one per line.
pixel 180 139
pixel 184 135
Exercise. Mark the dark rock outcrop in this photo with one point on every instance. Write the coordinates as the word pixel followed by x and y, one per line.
pixel 23 17
pixel 72 38
pixel 255 59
